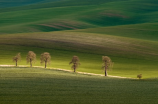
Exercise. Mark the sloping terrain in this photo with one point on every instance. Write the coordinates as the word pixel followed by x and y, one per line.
pixel 70 14
pixel 125 30
pixel 37 85
pixel 15 3
pixel 146 31
pixel 130 56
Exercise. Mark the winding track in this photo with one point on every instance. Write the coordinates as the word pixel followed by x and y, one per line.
pixel 67 71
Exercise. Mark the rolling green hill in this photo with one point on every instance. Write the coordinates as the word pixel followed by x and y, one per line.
pixel 15 3
pixel 37 85
pixel 146 31
pixel 125 30
pixel 72 14
pixel 131 56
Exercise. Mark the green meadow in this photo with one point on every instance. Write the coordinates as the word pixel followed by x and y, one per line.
pixel 70 14
pixel 23 85
pixel 130 56
pixel 124 30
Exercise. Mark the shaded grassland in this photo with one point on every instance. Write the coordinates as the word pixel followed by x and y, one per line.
pixel 38 86
pixel 70 14
pixel 130 56
pixel 11 4
pixel 146 31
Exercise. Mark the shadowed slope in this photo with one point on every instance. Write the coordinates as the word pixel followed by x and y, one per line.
pixel 14 3
pixel 147 31
pixel 55 18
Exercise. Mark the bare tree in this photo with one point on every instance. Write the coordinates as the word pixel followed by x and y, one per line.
pixel 75 62
pixel 106 63
pixel 17 58
pixel 31 56
pixel 139 76
pixel 45 58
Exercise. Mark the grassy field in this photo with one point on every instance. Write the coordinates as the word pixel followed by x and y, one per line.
pixel 16 3
pixel 38 86
pixel 124 30
pixel 146 31
pixel 131 42
pixel 70 14
pixel 130 56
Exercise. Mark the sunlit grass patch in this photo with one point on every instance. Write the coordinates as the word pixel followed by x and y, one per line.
pixel 130 56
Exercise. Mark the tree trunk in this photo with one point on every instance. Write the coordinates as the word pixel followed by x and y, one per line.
pixel 16 63
pixel 106 74
pixel 45 64
pixel 30 63
pixel 74 69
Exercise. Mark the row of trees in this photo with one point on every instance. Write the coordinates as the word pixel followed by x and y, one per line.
pixel 46 58
pixel 31 56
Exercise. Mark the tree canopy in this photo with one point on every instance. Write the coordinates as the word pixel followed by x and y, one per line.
pixel 75 62
pixel 45 58
pixel 31 56
pixel 107 62
pixel 17 58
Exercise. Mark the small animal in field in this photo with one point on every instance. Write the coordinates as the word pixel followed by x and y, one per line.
pixel 139 76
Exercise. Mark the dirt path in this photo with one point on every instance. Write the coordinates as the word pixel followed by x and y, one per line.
pixel 67 71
